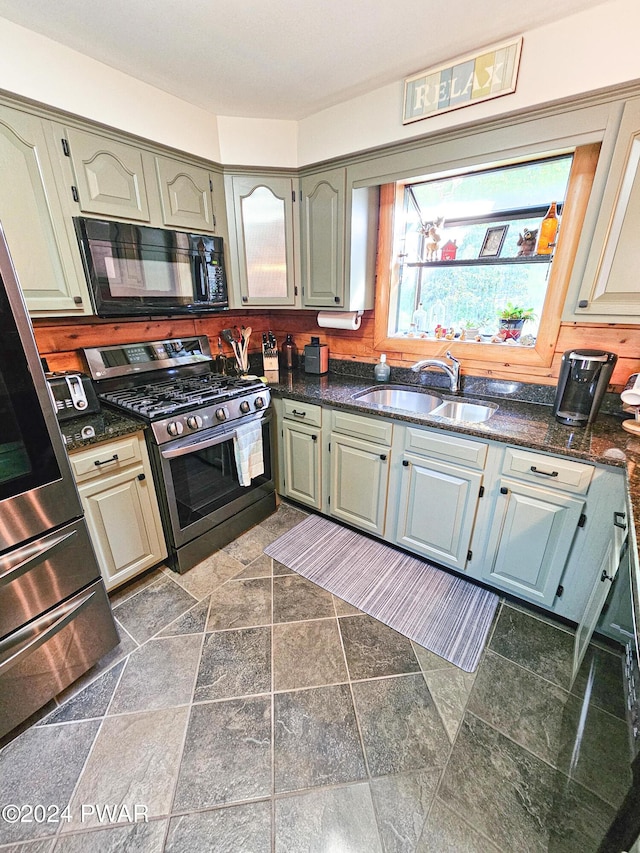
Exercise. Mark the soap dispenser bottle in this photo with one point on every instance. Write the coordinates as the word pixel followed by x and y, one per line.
pixel 382 370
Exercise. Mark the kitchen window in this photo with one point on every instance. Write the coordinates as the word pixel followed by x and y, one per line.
pixel 481 217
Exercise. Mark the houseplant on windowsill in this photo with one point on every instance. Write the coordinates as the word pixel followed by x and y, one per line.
pixel 512 318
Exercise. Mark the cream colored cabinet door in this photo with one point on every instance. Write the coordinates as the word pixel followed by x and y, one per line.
pixel 302 462
pixel 532 530
pixel 41 240
pixel 436 509
pixel 323 239
pixel 262 235
pixel 185 195
pixel 610 284
pixel 359 479
pixel 109 176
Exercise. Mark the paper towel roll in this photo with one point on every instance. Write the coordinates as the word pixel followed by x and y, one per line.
pixel 339 319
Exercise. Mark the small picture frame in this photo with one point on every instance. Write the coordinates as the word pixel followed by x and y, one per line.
pixel 493 240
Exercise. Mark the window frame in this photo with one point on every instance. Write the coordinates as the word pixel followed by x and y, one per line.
pixel 581 176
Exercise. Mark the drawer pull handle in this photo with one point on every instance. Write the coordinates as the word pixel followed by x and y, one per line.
pixel 99 462
pixel 619 520
pixel 546 473
pixel 298 414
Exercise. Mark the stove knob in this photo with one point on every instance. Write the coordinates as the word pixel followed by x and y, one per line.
pixel 175 428
pixel 221 415
pixel 245 407
pixel 194 421
pixel 259 403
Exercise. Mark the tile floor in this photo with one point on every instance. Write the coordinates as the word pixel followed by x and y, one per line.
pixel 247 710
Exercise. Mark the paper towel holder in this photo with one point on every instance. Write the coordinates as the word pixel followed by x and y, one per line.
pixel 339 319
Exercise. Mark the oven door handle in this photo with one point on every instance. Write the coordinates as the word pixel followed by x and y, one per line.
pixel 174 452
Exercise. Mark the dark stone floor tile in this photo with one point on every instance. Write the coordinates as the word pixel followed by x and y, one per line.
pixel 577 821
pixel 335 819
pixel 307 654
pixel 373 650
pixel 402 803
pixel 194 621
pixel 93 701
pixel 127 590
pixel 280 569
pixel 285 517
pixel 240 604
pixel 235 829
pixel 450 688
pixel 160 674
pixel 296 599
pixel 447 832
pixel 261 567
pixel 209 575
pixel 535 644
pixel 400 725
pixel 152 609
pixel 141 837
pixel 316 739
pixel 134 760
pixel 343 608
pixel 42 766
pixel 234 663
pixel 595 751
pixel 523 706
pixel 227 754
pixel 601 674
pixel 250 545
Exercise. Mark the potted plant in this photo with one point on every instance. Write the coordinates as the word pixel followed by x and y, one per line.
pixel 512 318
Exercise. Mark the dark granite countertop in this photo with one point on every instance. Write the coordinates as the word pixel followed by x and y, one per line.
pixel 95 429
pixel 526 424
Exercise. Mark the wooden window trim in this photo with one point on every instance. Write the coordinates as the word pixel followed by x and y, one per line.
pixel 476 358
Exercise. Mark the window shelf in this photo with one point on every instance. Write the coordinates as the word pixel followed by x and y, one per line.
pixel 482 262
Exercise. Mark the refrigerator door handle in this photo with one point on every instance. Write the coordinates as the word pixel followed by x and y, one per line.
pixel 30 556
pixel 33 635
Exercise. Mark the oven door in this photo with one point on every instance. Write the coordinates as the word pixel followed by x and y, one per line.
pixel 201 484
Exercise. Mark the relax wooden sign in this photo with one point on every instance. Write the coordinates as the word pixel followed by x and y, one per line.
pixel 468 80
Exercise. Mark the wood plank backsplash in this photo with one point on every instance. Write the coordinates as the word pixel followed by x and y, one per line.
pixel 60 341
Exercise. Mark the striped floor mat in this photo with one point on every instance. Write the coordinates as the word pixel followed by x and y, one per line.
pixel 444 613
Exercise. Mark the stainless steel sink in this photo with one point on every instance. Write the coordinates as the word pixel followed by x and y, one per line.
pixel 405 399
pixel 459 410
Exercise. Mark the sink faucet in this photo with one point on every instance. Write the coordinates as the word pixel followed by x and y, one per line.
pixel 452 370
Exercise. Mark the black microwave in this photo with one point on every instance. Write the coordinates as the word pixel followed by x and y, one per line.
pixel 135 270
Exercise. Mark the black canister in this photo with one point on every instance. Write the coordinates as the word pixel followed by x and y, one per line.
pixel 289 354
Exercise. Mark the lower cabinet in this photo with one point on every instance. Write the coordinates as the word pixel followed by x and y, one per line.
pixel 302 457
pixel 121 510
pixel 532 531
pixel 436 509
pixel 359 477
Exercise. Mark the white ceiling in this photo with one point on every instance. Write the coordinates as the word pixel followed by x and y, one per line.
pixel 282 59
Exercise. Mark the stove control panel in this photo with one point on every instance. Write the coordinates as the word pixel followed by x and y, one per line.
pixel 210 416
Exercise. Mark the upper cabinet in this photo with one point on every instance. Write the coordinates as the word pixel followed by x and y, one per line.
pixel 109 176
pixel 185 195
pixel 41 239
pixel 262 236
pixel 610 286
pixel 339 230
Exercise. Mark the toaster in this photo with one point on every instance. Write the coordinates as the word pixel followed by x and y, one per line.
pixel 72 394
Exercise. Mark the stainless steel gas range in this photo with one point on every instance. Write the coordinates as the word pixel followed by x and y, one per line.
pixel 208 436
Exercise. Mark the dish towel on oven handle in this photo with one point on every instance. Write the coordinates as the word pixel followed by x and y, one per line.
pixel 247 446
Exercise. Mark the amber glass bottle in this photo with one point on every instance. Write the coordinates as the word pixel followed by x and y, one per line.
pixel 548 231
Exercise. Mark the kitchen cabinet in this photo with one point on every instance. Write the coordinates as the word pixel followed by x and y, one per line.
pixel 263 233
pixel 301 452
pixel 108 174
pixel 186 195
pixel 360 449
pixel 339 229
pixel 121 509
pixel 610 285
pixel 41 240
pixel 437 494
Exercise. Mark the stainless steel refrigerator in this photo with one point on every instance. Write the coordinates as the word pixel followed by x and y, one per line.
pixel 55 618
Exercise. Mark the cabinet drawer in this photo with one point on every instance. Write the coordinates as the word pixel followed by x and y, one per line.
pixel 105 458
pixel 358 426
pixel 550 471
pixel 451 448
pixel 302 412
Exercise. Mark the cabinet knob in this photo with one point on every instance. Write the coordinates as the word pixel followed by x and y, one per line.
pixel 605 577
pixel 405 462
pixel 245 298
pixel 619 520
pixel 336 299
pixel 383 456
pixel 504 490
pixel 77 300
pixel 314 437
pixel 142 476
pixel 584 303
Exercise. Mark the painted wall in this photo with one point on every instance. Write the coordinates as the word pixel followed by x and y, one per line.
pixel 588 51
